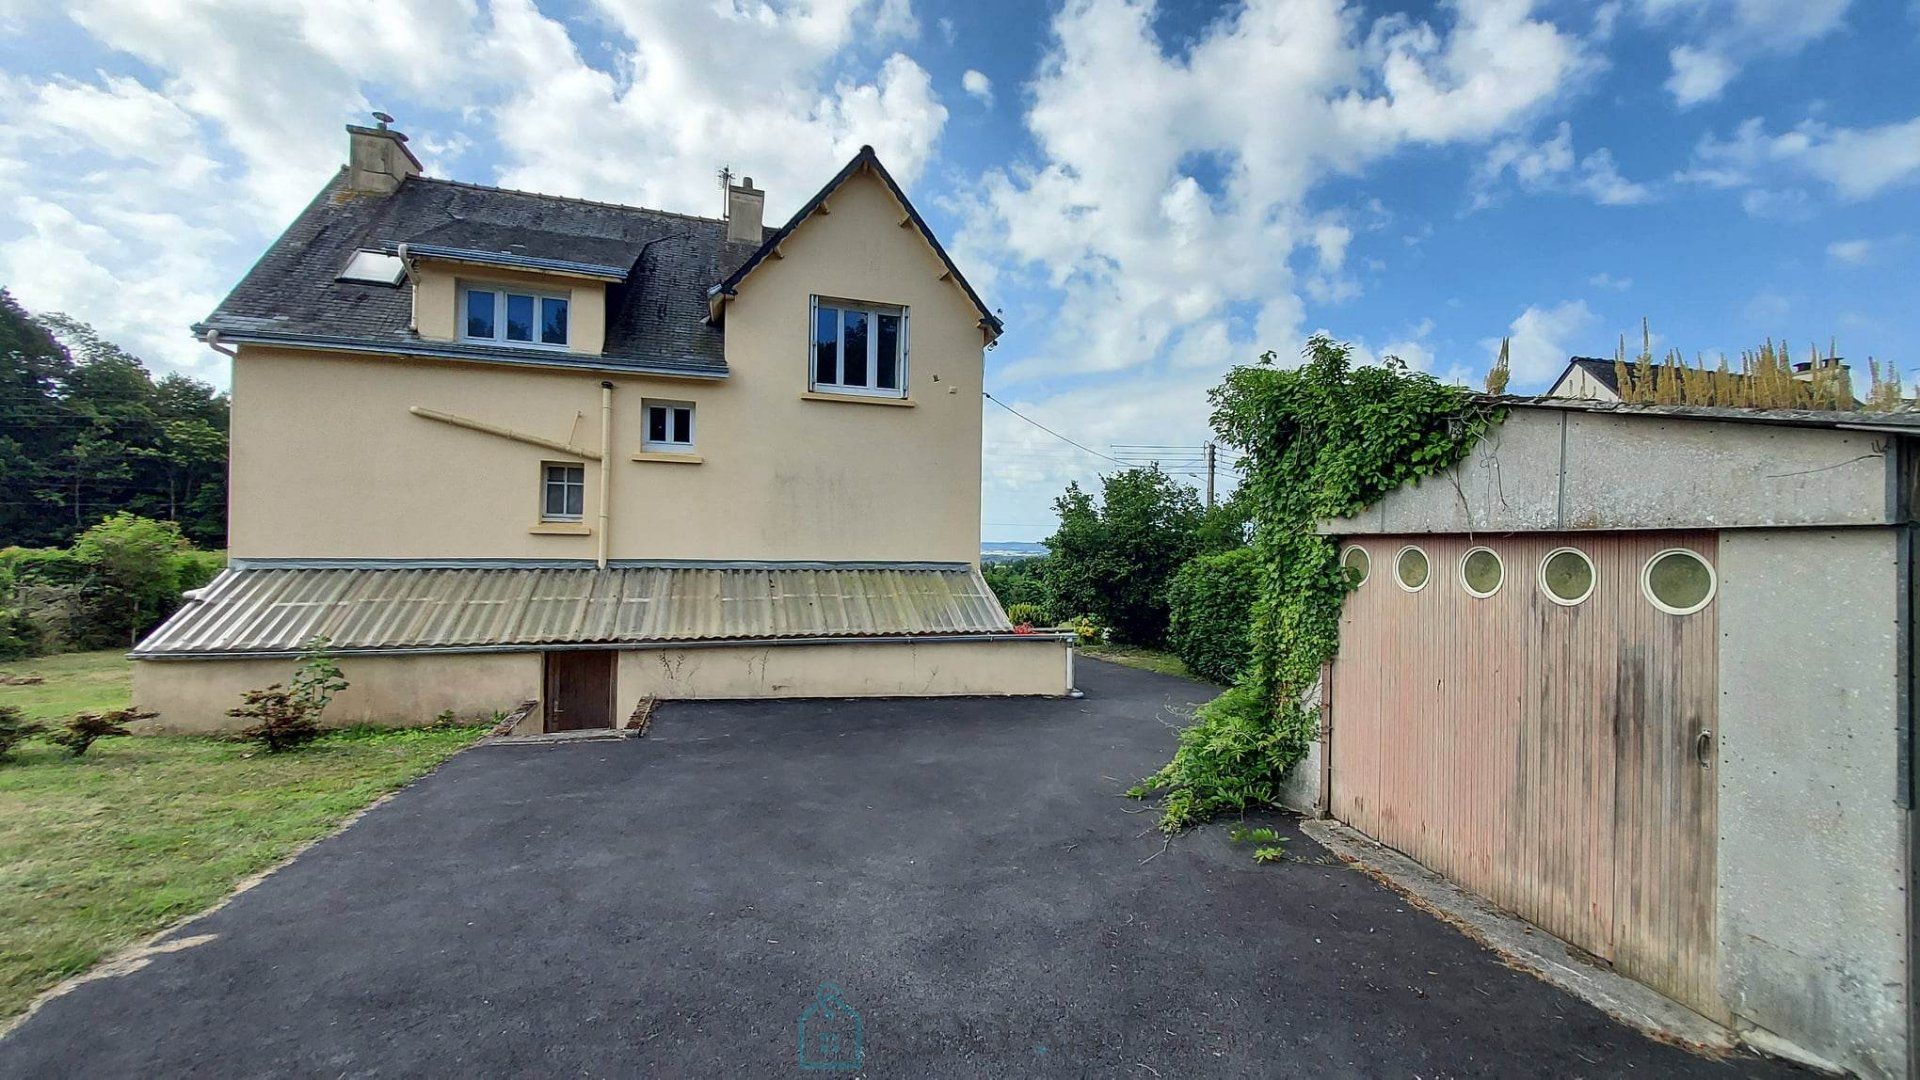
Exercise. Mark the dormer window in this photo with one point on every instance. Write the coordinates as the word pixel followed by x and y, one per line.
pixel 504 316
pixel 859 348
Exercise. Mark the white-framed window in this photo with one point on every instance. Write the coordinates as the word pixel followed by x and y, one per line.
pixel 1481 572
pixel 857 348
pixel 1411 568
pixel 1678 581
pixel 669 427
pixel 563 491
pixel 1567 576
pixel 1358 565
pixel 504 315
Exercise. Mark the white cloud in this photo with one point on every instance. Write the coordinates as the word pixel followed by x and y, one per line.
pixel 1542 339
pixel 1857 163
pixel 1605 280
pixel 979 86
pixel 1552 166
pixel 1724 34
pixel 1171 185
pixel 1852 252
pixel 138 197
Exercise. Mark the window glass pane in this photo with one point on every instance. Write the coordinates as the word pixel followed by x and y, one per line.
pixel 826 345
pixel 556 503
pixel 1411 567
pixel 1680 580
pixel 479 313
pixel 576 491
pixel 1358 563
pixel 1567 575
pixel 553 321
pixel 519 318
pixel 656 423
pixel 887 352
pixel 1481 571
pixel 683 425
pixel 854 363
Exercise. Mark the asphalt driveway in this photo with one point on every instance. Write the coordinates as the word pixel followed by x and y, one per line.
pixel 964 872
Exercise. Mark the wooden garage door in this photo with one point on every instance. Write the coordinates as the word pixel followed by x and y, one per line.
pixel 1548 757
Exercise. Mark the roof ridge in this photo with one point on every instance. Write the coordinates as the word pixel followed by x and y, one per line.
pixel 470 185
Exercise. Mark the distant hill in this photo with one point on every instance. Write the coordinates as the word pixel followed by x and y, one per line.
pixel 999 551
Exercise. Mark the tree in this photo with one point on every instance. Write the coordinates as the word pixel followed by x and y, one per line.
pixel 85 431
pixel 136 571
pixel 1112 560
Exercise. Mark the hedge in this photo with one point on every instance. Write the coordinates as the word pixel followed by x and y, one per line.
pixel 1210 601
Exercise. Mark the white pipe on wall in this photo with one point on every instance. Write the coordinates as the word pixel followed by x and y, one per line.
pixel 606 466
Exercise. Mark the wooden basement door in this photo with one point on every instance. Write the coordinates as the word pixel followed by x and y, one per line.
pixel 1548 757
pixel 579 689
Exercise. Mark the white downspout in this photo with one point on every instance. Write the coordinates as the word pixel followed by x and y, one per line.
pixel 213 342
pixel 606 465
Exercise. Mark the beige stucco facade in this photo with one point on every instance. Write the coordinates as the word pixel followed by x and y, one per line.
pixel 194 695
pixel 329 462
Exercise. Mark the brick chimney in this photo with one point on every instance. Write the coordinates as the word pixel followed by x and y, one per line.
pixel 746 207
pixel 378 158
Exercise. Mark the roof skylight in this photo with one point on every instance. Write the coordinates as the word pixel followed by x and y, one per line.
pixel 374 268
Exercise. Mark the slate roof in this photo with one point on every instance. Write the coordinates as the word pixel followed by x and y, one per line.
pixel 656 319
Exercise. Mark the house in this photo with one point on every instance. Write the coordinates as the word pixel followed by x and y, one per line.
pixel 1643 675
pixel 1591 378
pixel 496 447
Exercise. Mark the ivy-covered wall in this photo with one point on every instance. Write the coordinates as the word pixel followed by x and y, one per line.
pixel 1318 441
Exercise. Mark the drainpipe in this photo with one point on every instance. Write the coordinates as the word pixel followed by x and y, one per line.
pixel 413 300
pixel 213 342
pixel 606 464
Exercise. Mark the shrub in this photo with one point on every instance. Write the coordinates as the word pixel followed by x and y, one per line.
pixel 1085 630
pixel 285 718
pixel 136 567
pixel 15 729
pixel 1210 612
pixel 83 729
pixel 1017 581
pixel 1029 614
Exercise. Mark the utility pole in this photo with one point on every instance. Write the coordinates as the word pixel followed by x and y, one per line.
pixel 1209 474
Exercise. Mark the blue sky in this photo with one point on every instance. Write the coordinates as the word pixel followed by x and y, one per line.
pixel 1150 193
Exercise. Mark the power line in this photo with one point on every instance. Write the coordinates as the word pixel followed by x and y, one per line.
pixel 1049 430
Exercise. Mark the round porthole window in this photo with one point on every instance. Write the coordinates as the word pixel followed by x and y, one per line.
pixel 1566 576
pixel 1678 581
pixel 1481 572
pixel 1358 565
pixel 1410 569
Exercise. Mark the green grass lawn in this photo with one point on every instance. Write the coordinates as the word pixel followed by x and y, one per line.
pixel 1151 659
pixel 76 683
pixel 99 852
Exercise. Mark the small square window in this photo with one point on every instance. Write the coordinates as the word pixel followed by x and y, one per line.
pixel 669 427
pixel 563 491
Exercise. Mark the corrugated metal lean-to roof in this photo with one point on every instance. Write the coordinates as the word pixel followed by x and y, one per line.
pixel 276 610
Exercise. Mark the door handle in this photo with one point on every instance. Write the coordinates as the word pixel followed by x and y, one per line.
pixel 1703 748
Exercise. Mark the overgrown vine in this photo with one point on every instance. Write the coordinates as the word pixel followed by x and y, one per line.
pixel 1324 440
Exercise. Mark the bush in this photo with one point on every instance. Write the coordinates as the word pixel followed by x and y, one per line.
pixel 15 729
pixel 1028 614
pixel 83 729
pixel 1231 758
pixel 118 581
pixel 1210 613
pixel 1017 581
pixel 285 718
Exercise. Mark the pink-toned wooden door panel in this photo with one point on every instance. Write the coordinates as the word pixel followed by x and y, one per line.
pixel 1544 755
